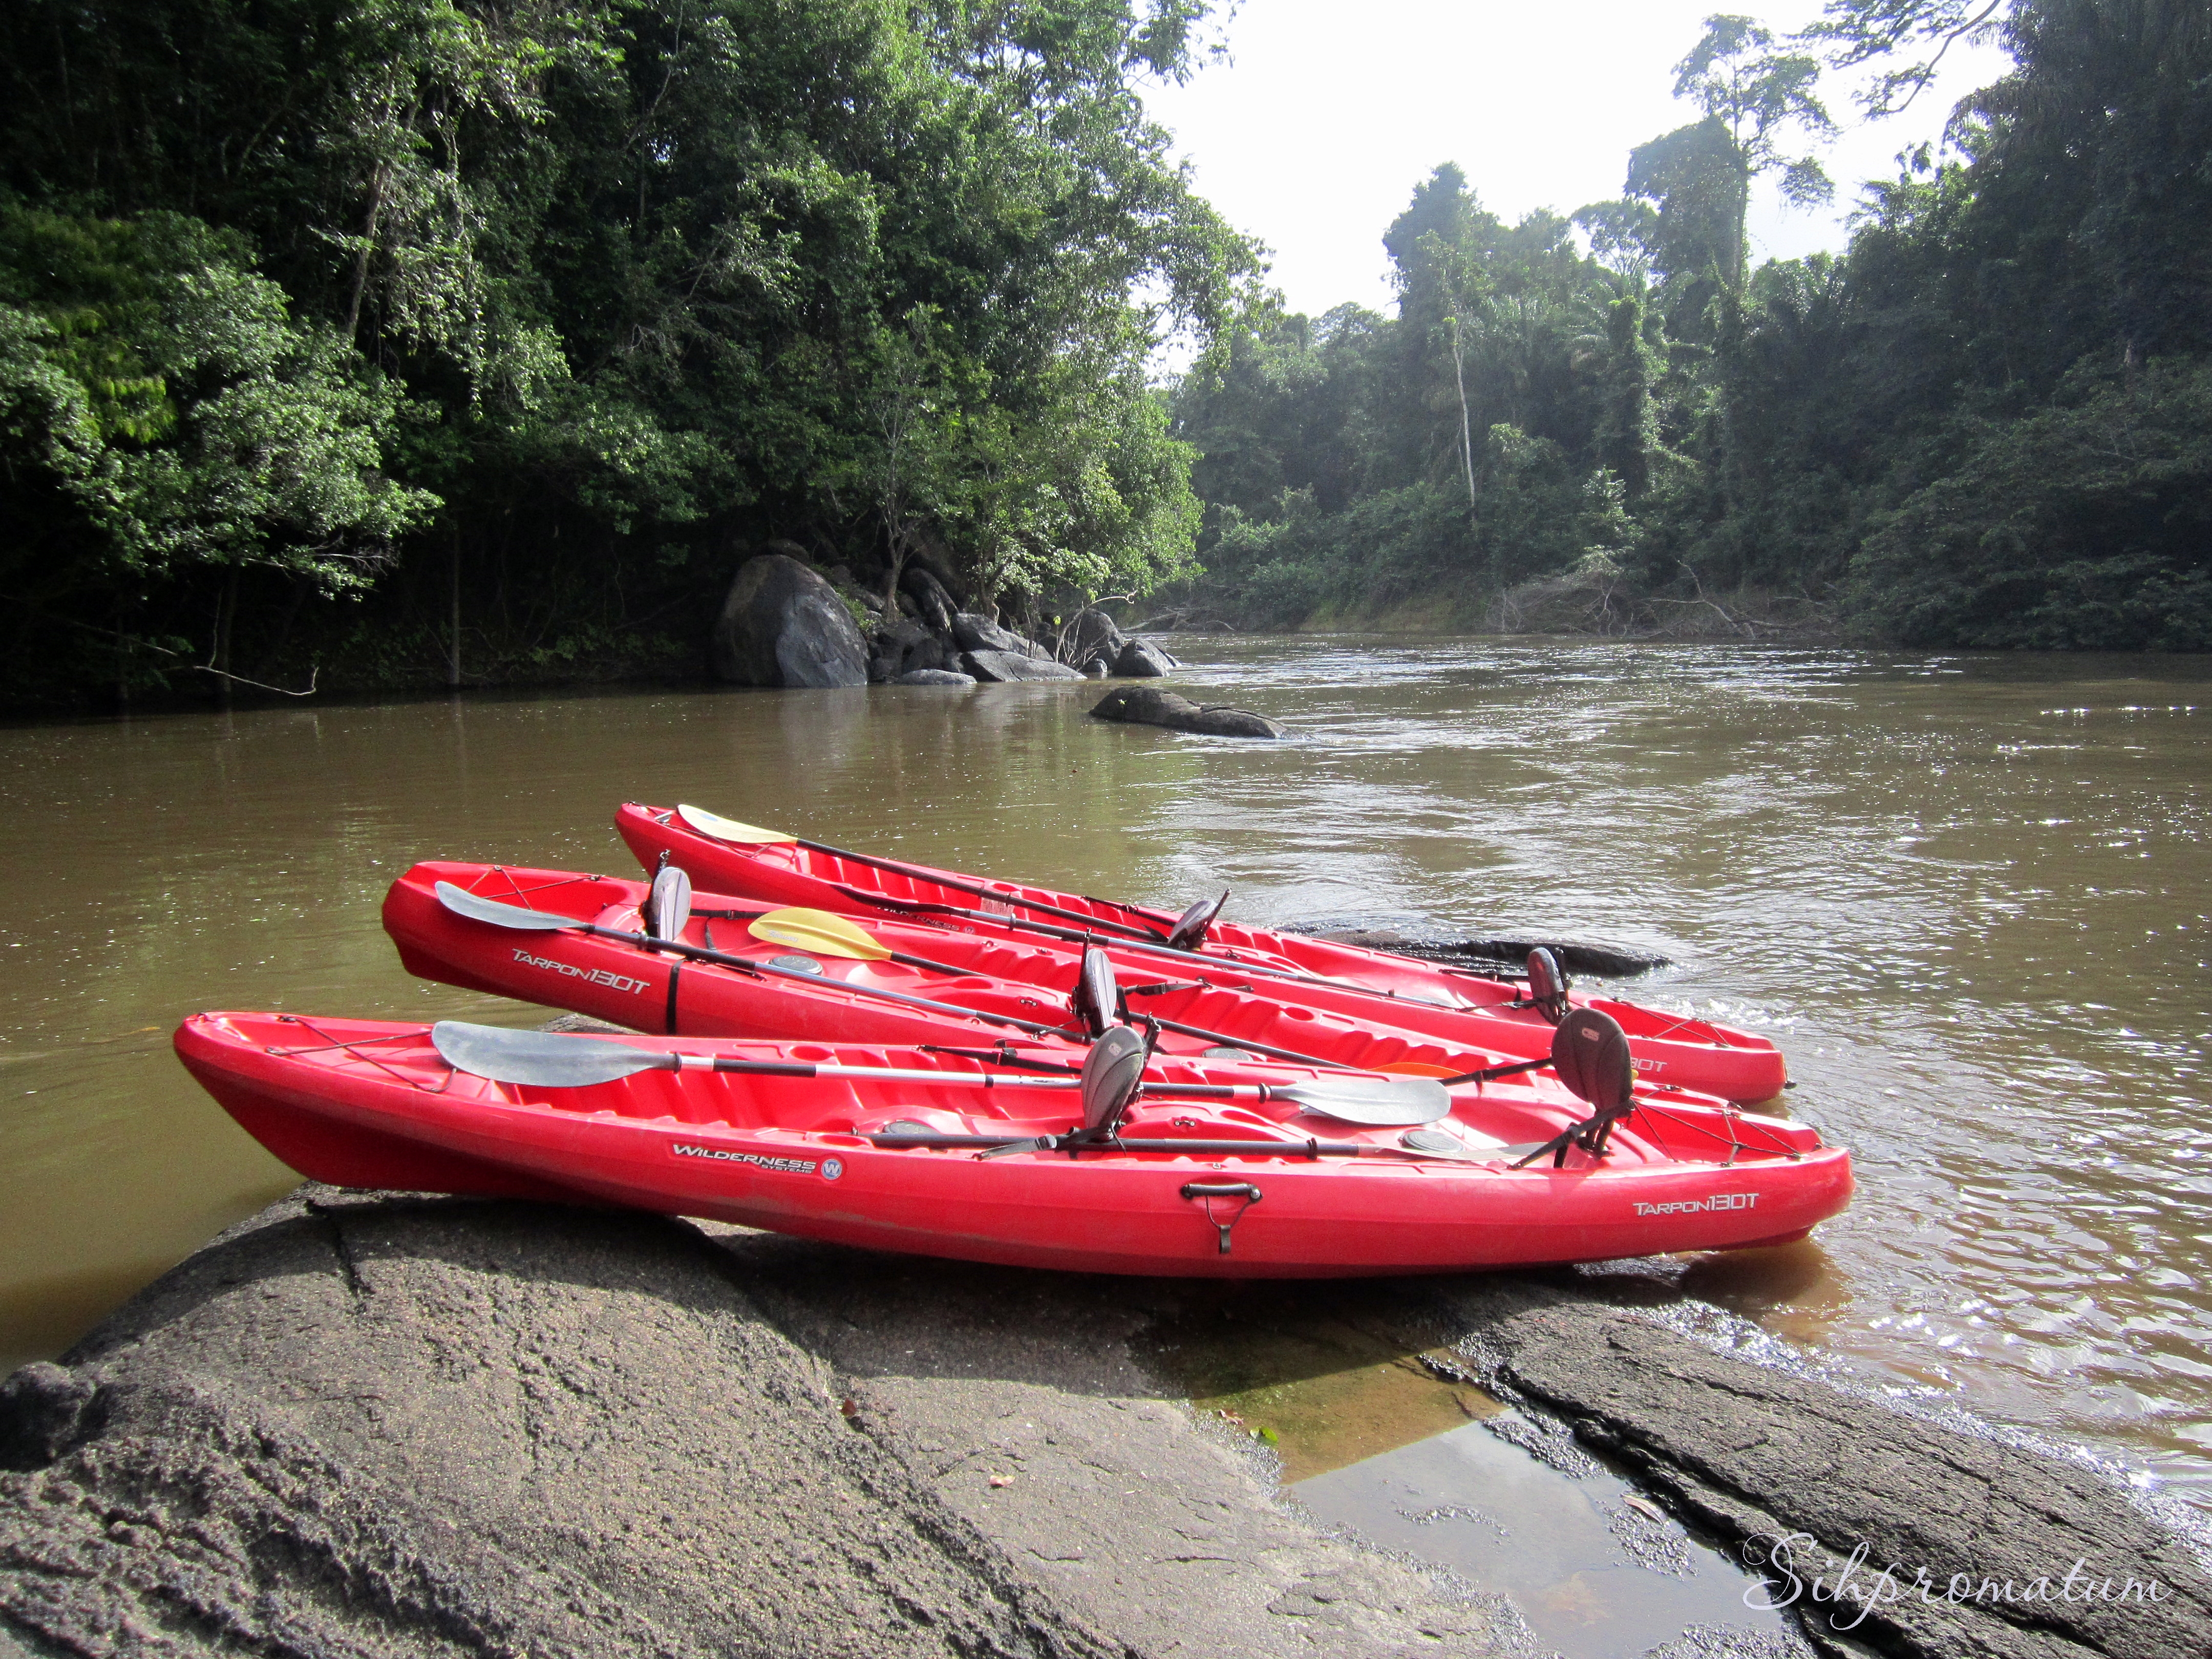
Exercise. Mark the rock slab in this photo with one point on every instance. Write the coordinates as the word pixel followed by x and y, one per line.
pixel 1146 705
pixel 1756 1455
pixel 387 1425
pixel 783 625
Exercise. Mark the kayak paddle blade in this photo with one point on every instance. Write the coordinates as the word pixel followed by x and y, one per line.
pixel 1190 931
pixel 1111 1072
pixel 1547 984
pixel 1589 1052
pixel 730 829
pixel 1098 998
pixel 818 931
pixel 541 1060
pixel 1380 1102
pixel 668 906
pixel 476 908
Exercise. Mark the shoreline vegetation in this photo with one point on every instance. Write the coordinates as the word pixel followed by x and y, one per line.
pixel 373 347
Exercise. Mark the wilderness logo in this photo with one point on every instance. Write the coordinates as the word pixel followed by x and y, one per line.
pixel 1850 1591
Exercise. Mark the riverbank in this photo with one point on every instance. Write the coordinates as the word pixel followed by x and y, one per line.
pixel 383 1422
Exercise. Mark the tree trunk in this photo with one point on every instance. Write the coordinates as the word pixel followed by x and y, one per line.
pixel 226 620
pixel 1466 429
pixel 453 629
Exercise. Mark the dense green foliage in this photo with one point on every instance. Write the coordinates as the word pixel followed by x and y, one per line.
pixel 326 323
pixel 1990 423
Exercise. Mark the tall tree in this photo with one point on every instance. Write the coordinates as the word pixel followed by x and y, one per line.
pixel 1758 94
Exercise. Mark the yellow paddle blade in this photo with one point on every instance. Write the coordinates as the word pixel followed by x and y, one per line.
pixel 722 829
pixel 824 934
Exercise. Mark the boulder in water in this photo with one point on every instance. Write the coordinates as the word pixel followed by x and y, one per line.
pixel 1140 659
pixel 781 624
pixel 1013 666
pixel 933 677
pixel 1145 705
pixel 974 632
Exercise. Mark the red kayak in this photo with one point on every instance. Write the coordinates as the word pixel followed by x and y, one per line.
pixel 1228 1177
pixel 582 942
pixel 1458 1007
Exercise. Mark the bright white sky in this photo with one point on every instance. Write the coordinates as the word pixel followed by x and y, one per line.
pixel 1314 136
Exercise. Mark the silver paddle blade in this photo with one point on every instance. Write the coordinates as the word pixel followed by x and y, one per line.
pixel 541 1060
pixel 668 907
pixel 476 908
pixel 1379 1102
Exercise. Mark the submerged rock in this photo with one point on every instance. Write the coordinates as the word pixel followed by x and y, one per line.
pixel 933 677
pixel 1146 705
pixel 783 625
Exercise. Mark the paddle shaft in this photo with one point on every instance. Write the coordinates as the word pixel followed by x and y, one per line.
pixel 977 891
pixel 1183 958
pixel 1313 1149
pixel 682 1062
pixel 900 956
pixel 701 953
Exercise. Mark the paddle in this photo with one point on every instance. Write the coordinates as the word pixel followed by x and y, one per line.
pixel 476 908
pixel 1186 935
pixel 829 935
pixel 751 835
pixel 548 1060
pixel 1590 1053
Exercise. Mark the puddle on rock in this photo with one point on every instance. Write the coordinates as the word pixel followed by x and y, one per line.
pixel 1300 1368
pixel 1595 1577
pixel 1380 1434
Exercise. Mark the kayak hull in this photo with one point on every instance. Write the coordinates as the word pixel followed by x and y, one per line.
pixel 1445 1003
pixel 370 1103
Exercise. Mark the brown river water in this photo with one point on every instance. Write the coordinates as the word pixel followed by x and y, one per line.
pixel 1968 894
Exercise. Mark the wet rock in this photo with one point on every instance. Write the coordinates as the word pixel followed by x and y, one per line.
pixel 974 632
pixel 1091 636
pixel 1757 1454
pixel 933 677
pixel 1012 665
pixel 1140 659
pixel 1094 669
pixel 783 625
pixel 1578 956
pixel 1148 706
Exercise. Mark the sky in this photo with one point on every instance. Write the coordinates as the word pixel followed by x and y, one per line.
pixel 1313 136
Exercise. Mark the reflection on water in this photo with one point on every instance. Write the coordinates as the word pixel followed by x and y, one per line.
pixel 1968 895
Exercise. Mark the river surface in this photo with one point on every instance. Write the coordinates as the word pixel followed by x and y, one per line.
pixel 1968 894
